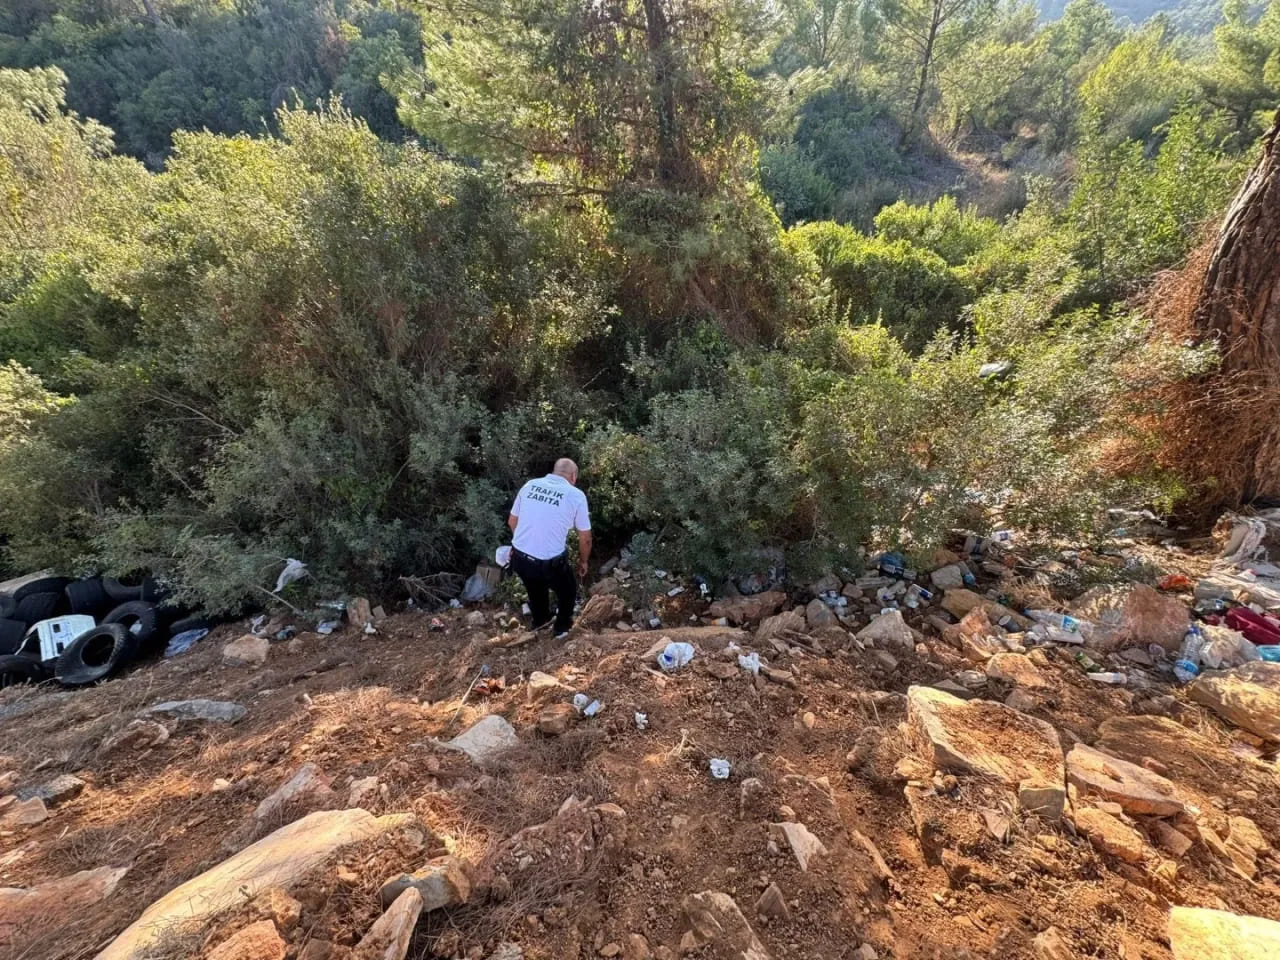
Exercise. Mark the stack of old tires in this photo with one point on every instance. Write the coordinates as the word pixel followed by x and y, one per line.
pixel 130 623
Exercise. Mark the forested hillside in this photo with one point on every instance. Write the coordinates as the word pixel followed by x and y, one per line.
pixel 330 280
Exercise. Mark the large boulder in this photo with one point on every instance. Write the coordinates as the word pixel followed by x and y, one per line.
pixel 247 649
pixel 280 859
pixel 1137 789
pixel 23 909
pixel 748 609
pixel 1247 696
pixel 818 615
pixel 1197 934
pixel 982 737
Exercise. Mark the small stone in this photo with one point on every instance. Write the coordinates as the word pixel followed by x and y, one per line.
pixel 1046 800
pixel 277 906
pixel 442 883
pixel 1110 835
pixel 215 711
pixel 773 904
pixel 610 949
pixel 888 630
pixel 950 577
pixel 557 718
pixel 865 952
pixel 750 798
pixel 714 918
pixel 1170 840
pixel 541 685
pixel 258 941
pixel 388 938
pixel 911 768
pixel 817 615
pixel 486 738
pixel 637 948
pixel 24 813
pixel 1017 669
pixel 804 844
pixel 137 735
pixel 362 791
pixel 868 739
pixel 1050 945
pixel 308 786
pixel 808 720
pixel 248 650
pixel 54 791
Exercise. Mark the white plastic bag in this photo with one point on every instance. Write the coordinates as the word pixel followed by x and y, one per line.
pixel 675 655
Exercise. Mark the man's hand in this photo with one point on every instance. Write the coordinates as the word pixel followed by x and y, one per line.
pixel 582 567
pixel 584 552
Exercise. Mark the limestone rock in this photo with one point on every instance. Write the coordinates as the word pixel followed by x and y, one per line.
pixel 748 609
pixel 258 941
pixel 442 883
pixel 277 860
pixel 773 904
pixel 804 844
pixel 388 938
pixel 308 785
pixel 541 685
pixel 1110 835
pixel 278 907
pixel 1046 800
pixel 636 948
pixel 247 650
pixel 1170 840
pixel 486 738
pixel 1050 945
pixel 362 792
pixel 54 791
pixel 1196 934
pixel 23 909
pixel 979 736
pixel 607 585
pixel 789 621
pixel 1135 788
pixel 818 615
pixel 1248 696
pixel 602 610
pixel 24 813
pixel 950 577
pixel 716 922
pixel 137 735
pixel 215 711
pixel 556 719
pixel 1016 668
pixel 889 630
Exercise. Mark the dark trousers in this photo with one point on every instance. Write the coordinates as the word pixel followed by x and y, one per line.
pixel 540 576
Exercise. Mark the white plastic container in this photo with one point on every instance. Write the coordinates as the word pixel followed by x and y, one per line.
pixel 57 633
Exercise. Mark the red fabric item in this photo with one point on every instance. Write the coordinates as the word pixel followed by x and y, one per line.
pixel 1264 631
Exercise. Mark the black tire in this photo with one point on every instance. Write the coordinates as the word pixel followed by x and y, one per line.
pixel 189 623
pixel 43 585
pixel 88 597
pixel 35 607
pixel 7 606
pixel 140 618
pixel 18 670
pixel 123 592
pixel 95 655
pixel 11 634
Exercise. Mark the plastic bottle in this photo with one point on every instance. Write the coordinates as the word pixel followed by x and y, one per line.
pixel 1051 618
pixel 1108 677
pixel 1187 666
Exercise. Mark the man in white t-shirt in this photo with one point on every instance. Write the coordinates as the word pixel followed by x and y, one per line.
pixel 544 512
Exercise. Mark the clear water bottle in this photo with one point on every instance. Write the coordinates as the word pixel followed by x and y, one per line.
pixel 1051 618
pixel 1187 666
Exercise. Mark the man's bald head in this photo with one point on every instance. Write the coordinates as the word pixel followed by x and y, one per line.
pixel 568 469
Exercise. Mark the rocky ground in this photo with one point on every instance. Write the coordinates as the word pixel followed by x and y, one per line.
pixel 931 783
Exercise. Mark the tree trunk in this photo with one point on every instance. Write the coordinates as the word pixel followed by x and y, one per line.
pixel 926 61
pixel 658 37
pixel 1239 307
pixel 153 14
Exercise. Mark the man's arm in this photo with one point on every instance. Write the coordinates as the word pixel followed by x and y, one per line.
pixel 584 551
pixel 512 520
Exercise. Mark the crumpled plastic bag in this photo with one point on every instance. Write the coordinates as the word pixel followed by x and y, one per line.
pixel 293 570
pixel 675 655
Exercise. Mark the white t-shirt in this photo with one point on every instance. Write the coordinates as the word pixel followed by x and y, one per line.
pixel 548 508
